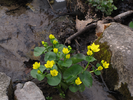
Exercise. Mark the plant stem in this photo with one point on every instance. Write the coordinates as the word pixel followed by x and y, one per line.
pixel 86 66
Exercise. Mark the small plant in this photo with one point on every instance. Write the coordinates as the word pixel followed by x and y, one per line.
pixel 49 98
pixel 131 24
pixel 105 6
pixel 61 68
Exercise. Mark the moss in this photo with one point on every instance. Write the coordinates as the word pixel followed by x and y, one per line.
pixel 110 75
pixel 125 92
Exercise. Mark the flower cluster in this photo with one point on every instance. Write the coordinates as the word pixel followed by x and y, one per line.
pixel 54 72
pixel 55 50
pixel 65 50
pixel 62 69
pixel 105 64
pixel 51 36
pixel 55 42
pixel 92 48
pixel 36 65
pixel 45 44
pixel 67 56
pixel 49 64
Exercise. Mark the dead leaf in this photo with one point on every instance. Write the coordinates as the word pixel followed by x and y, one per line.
pixel 80 6
pixel 80 24
pixel 101 27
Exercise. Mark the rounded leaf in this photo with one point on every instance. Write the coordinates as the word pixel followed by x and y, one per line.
pixel 66 63
pixel 39 50
pixel 78 58
pixel 50 56
pixel 73 71
pixel 73 88
pixel 55 80
pixel 40 76
pixel 33 73
pixel 86 78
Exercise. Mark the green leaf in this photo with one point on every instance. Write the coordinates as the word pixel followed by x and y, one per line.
pixel 54 80
pixel 64 85
pixel 33 73
pixel 98 64
pixel 131 24
pixel 73 71
pixel 50 56
pixel 90 59
pixel 60 47
pixel 73 88
pixel 81 87
pixel 86 78
pixel 78 58
pixel 42 68
pixel 97 72
pixel 49 48
pixel 66 63
pixel 40 76
pixel 55 67
pixel 39 50
pixel 71 79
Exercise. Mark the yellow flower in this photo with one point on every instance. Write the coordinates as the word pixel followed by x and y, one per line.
pixel 39 72
pixel 54 72
pixel 69 48
pixel 105 64
pixel 51 36
pixel 89 47
pixel 49 64
pixel 100 68
pixel 102 61
pixel 67 56
pixel 89 52
pixel 95 48
pixel 36 65
pixel 53 62
pixel 55 50
pixel 44 43
pixel 65 50
pixel 78 81
pixel 55 42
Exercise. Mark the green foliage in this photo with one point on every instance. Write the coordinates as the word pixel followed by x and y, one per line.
pixel 131 24
pixel 61 71
pixel 105 6
pixel 49 98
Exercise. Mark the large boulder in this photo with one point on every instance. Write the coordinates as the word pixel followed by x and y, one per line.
pixel 28 92
pixel 6 90
pixel 116 45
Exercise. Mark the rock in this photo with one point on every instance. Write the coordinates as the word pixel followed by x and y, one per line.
pixel 6 90
pixel 116 45
pixel 28 92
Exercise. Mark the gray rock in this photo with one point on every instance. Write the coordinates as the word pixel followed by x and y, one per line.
pixel 28 92
pixel 6 91
pixel 119 38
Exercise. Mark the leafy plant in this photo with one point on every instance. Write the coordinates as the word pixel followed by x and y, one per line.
pixel 131 24
pixel 61 69
pixel 105 6
pixel 49 98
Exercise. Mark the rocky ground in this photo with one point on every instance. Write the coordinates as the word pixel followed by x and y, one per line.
pixel 23 27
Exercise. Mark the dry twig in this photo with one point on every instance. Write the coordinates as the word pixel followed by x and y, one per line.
pixel 68 40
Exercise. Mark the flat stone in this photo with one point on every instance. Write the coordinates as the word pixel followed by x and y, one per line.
pixel 28 92
pixel 6 91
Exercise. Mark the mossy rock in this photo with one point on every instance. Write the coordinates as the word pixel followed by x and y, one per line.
pixel 116 48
